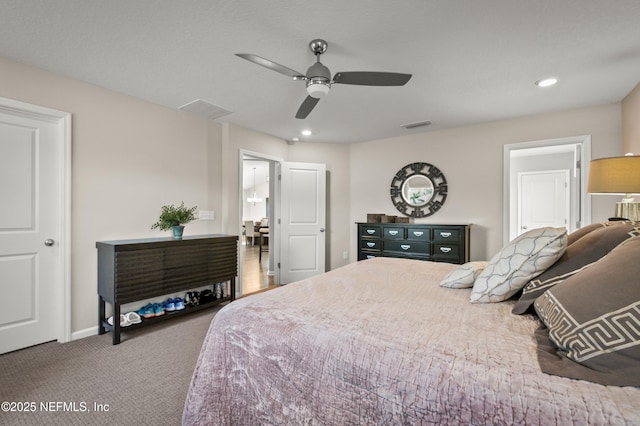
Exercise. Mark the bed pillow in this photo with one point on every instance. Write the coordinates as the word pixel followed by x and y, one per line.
pixel 579 233
pixel 592 320
pixel 579 255
pixel 464 275
pixel 524 258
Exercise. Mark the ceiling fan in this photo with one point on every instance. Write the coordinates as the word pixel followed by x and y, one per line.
pixel 318 77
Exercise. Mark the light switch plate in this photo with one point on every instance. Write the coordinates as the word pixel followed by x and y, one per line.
pixel 206 215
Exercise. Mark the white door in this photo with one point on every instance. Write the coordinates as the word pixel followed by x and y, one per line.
pixel 30 230
pixel 303 213
pixel 543 200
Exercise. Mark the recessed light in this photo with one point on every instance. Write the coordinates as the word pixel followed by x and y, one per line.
pixel 546 82
pixel 296 139
pixel 306 132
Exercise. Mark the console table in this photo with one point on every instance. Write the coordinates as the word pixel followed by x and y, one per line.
pixel 440 243
pixel 134 270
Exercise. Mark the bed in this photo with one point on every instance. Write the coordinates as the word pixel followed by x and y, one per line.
pixel 381 341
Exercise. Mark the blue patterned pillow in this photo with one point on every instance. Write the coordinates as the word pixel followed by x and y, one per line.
pixel 522 259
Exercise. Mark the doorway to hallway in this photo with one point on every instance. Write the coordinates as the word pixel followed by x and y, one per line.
pixel 256 213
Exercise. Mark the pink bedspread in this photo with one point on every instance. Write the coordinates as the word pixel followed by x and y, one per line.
pixel 379 342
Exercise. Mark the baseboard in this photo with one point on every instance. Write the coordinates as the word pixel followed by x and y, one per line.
pixel 87 332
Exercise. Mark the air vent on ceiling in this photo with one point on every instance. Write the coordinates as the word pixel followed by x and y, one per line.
pixel 204 109
pixel 418 124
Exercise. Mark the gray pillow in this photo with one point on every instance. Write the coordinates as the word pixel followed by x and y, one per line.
pixel 579 233
pixel 592 321
pixel 586 250
pixel 526 257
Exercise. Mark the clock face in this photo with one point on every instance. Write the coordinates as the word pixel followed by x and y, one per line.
pixel 418 189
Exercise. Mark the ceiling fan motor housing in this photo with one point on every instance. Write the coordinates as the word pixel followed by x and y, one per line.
pixel 318 80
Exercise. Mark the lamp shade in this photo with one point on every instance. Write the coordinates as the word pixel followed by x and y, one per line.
pixel 615 175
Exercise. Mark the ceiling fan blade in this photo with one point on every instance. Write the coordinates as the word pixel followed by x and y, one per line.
pixel 271 65
pixel 307 106
pixel 368 78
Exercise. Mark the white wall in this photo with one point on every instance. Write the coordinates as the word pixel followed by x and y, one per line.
pixel 471 160
pixel 129 157
pixel 631 121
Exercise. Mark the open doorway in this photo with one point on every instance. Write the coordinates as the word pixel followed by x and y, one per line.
pixel 257 210
pixel 543 164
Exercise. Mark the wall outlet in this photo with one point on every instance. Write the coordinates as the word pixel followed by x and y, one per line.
pixel 206 215
pixel 345 255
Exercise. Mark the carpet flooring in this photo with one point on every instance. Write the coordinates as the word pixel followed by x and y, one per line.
pixel 142 381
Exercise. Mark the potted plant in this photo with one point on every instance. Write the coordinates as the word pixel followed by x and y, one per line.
pixel 174 218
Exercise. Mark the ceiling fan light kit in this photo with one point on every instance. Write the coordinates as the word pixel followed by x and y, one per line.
pixel 318 77
pixel 318 89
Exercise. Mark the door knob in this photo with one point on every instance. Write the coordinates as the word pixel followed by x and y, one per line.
pixel 48 242
pixel 321 229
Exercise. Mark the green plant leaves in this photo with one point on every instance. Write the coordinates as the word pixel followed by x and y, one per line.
pixel 171 215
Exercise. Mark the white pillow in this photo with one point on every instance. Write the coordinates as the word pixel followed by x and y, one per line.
pixel 464 275
pixel 522 259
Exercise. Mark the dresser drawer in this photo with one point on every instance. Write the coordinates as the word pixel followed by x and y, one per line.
pixel 406 246
pixel 419 234
pixel 371 245
pixel 366 255
pixel 370 231
pixel 396 232
pixel 446 251
pixel 444 234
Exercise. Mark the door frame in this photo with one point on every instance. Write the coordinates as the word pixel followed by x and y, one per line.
pixel 63 281
pixel 583 157
pixel 274 212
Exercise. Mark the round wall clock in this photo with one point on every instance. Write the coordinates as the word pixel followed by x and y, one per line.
pixel 418 189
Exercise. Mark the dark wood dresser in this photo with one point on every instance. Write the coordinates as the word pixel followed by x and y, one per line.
pixel 134 270
pixel 439 243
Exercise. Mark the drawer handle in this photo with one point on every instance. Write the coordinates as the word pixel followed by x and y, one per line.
pixel 393 232
pixel 405 246
pixel 445 234
pixel 445 249
pixel 418 233
pixel 371 231
pixel 371 244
